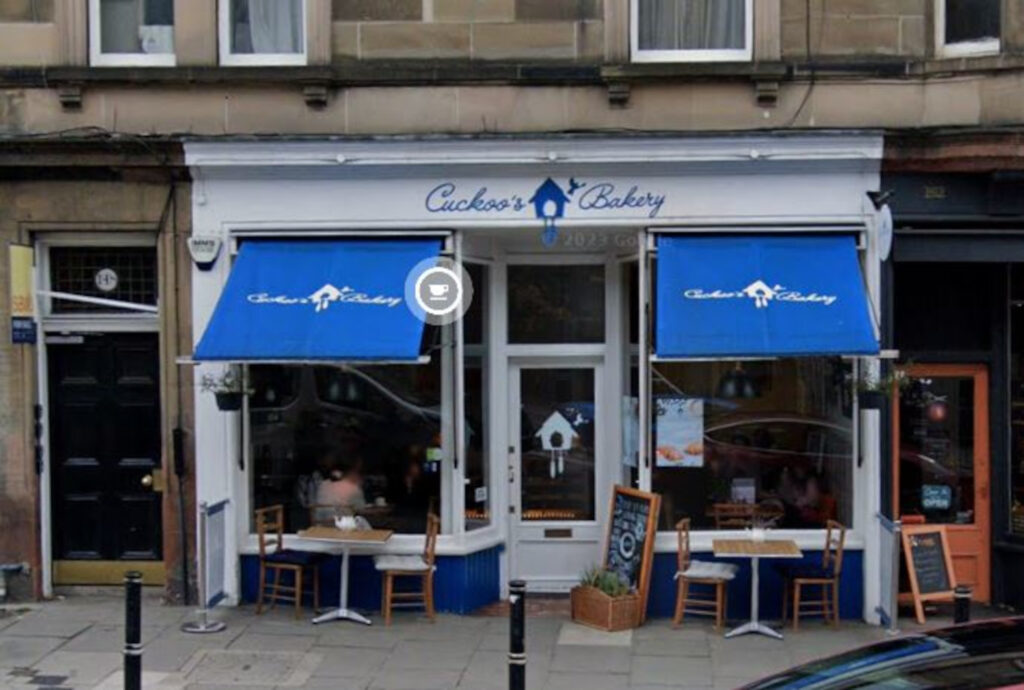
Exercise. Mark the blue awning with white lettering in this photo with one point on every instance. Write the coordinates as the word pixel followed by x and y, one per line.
pixel 338 299
pixel 761 296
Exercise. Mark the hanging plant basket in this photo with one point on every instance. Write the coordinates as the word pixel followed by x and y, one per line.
pixel 229 401
pixel 872 400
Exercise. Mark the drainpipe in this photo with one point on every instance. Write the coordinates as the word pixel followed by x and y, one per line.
pixel 9 569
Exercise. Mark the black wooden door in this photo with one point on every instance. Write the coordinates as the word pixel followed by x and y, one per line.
pixel 104 443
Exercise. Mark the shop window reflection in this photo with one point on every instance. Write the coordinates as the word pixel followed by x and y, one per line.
pixel 310 425
pixel 735 442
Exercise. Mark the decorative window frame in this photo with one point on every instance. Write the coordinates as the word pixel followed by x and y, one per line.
pixel 989 46
pixel 636 54
pixel 232 59
pixel 97 58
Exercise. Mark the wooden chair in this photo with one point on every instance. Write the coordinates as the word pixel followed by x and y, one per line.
pixel 276 559
pixel 690 572
pixel 825 577
pixel 421 566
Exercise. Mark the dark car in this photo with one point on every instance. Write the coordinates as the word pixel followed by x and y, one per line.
pixel 988 654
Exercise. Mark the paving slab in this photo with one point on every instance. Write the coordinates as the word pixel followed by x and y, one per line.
pixel 575 634
pixel 398 679
pixel 252 669
pixel 26 651
pixel 668 670
pixel 251 641
pixel 571 658
pixel 348 662
pixel 80 668
pixel 586 681
pixel 105 637
pixel 35 625
pixel 430 655
pixel 672 645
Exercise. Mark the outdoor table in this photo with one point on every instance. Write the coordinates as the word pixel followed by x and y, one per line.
pixel 345 540
pixel 755 551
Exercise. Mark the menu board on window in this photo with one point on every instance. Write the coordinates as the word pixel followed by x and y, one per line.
pixel 632 527
pixel 679 432
pixel 929 565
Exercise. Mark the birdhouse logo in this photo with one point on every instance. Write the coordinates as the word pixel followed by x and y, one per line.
pixel 549 205
pixel 761 293
pixel 557 436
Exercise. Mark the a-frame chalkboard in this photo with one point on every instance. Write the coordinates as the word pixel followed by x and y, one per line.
pixel 629 548
pixel 929 565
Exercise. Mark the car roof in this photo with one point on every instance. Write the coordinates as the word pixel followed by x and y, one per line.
pixel 908 656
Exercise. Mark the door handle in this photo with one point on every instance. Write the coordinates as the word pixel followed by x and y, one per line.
pixel 154 480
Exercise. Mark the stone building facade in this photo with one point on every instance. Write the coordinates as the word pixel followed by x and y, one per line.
pixel 95 146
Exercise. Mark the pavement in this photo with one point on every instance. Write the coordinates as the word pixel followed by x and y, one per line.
pixel 76 642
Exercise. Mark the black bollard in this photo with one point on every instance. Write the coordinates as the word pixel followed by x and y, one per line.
pixel 133 630
pixel 517 633
pixel 962 604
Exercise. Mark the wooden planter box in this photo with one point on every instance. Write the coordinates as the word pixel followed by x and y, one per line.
pixel 591 606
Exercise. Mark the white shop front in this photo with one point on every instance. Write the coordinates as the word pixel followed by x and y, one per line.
pixel 514 422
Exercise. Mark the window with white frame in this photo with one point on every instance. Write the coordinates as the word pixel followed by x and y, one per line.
pixel 691 30
pixel 967 27
pixel 263 32
pixel 131 33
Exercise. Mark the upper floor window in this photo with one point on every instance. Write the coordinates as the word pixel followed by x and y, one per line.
pixel 967 27
pixel 131 32
pixel 691 30
pixel 263 32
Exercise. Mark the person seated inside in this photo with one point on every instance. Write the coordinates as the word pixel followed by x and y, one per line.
pixel 343 488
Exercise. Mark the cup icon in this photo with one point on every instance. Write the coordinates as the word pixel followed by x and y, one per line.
pixel 438 291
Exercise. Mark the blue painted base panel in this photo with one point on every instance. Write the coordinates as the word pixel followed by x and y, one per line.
pixel 662 598
pixel 462 584
pixel 465 583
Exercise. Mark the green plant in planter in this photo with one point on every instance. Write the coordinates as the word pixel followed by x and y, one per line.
pixel 604 580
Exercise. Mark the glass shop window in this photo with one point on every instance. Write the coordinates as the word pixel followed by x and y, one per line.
pixel 1017 401
pixel 967 27
pixel 742 442
pixel 131 32
pixel 476 349
pixel 555 304
pixel 692 30
pixel 120 274
pixel 333 440
pixel 263 32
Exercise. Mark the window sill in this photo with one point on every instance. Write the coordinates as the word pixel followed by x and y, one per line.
pixel 643 71
pixel 399 544
pixel 806 539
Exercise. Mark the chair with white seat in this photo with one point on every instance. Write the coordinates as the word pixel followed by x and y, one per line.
pixel 417 565
pixel 708 573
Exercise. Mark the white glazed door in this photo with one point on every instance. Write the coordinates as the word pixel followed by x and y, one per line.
pixel 556 469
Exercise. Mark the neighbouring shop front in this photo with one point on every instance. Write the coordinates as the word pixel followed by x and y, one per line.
pixel 684 315
pixel 955 290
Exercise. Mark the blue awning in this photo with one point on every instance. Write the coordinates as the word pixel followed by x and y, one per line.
pixel 761 296
pixel 298 300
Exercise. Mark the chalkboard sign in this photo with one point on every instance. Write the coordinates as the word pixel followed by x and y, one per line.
pixel 632 527
pixel 929 565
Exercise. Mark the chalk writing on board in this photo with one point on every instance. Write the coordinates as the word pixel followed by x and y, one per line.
pixel 628 537
pixel 929 562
